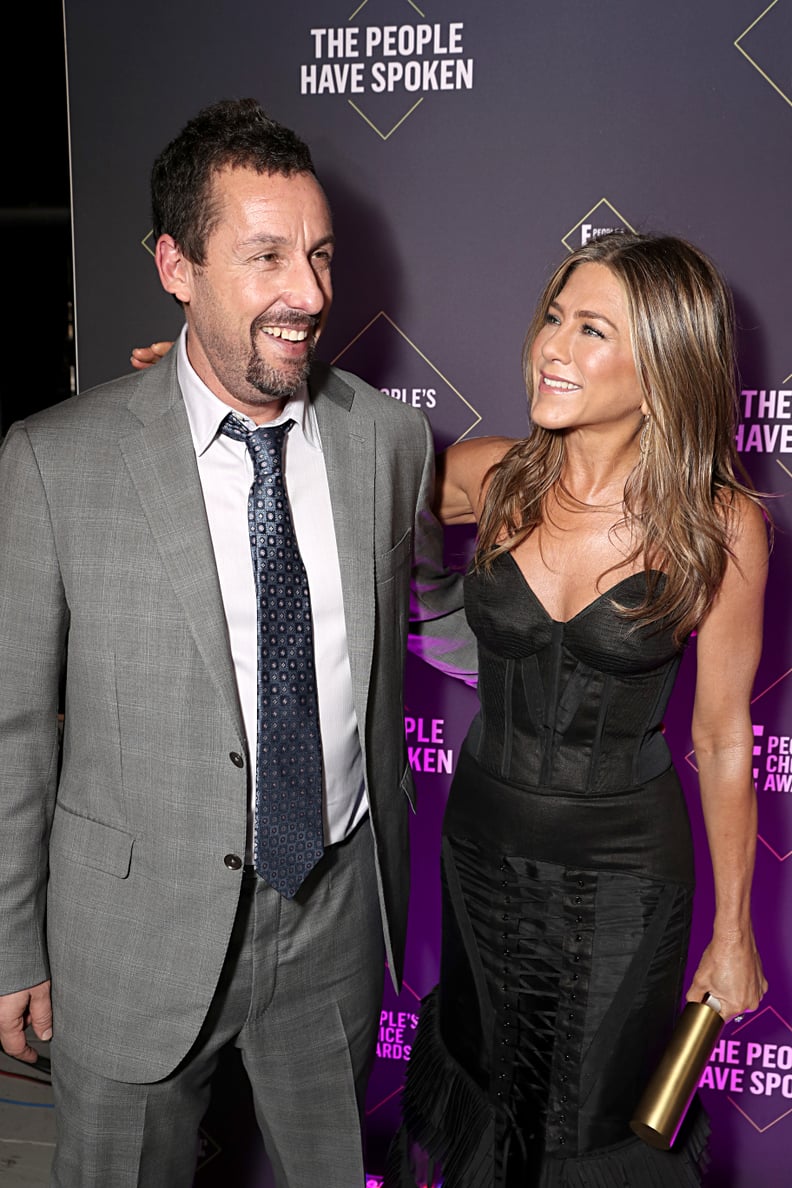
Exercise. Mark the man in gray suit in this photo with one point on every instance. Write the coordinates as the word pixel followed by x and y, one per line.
pixel 130 856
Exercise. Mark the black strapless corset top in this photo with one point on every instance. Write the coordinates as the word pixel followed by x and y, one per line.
pixel 572 706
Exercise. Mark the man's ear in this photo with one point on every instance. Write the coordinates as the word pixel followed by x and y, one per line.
pixel 175 271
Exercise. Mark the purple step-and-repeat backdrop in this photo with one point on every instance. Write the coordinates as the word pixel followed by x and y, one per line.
pixel 465 148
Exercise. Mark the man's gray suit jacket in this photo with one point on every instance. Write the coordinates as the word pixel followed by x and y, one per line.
pixel 112 876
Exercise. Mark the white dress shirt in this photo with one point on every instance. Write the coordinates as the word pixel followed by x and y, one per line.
pixel 226 472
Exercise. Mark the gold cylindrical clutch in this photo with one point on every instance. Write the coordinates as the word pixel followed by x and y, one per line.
pixel 665 1101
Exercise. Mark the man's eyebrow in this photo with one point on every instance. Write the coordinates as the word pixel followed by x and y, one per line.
pixel 266 240
pixel 325 241
pixel 263 240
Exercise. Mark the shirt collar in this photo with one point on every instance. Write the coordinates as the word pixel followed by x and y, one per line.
pixel 206 412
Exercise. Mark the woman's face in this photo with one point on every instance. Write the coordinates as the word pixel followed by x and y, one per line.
pixel 584 374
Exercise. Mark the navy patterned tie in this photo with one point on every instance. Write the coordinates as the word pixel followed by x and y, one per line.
pixel 288 819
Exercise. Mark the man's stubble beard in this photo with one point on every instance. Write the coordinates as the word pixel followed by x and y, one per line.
pixel 270 382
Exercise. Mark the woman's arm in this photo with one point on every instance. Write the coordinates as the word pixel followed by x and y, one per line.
pixel 461 471
pixel 728 650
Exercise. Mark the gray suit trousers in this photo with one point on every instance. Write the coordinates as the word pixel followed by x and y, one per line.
pixel 299 995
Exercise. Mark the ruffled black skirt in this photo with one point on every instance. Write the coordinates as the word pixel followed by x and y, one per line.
pixel 565 933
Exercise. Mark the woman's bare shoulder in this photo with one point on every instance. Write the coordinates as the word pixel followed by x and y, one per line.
pixel 461 472
pixel 479 453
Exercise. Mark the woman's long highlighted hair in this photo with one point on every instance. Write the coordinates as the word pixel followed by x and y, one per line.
pixel 679 497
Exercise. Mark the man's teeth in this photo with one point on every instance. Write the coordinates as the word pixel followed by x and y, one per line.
pixel 284 332
pixel 560 385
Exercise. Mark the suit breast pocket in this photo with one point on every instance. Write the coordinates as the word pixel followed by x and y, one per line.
pixel 391 563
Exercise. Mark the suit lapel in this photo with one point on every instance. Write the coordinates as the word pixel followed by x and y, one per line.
pixel 348 443
pixel 161 461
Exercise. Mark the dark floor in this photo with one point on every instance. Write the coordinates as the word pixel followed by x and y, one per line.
pixel 27 1125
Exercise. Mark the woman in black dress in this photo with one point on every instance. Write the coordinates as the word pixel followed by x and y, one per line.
pixel 608 536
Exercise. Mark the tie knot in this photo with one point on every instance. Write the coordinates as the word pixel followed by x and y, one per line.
pixel 265 442
pixel 266 447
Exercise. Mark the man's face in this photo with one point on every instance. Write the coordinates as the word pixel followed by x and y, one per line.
pixel 257 305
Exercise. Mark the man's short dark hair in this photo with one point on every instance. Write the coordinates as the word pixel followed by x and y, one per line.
pixel 234 133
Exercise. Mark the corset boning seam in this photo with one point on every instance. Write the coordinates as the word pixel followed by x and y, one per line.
pixel 508 693
pixel 548 727
pixel 597 740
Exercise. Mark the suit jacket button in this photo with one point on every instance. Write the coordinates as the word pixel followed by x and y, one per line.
pixel 236 759
pixel 233 861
